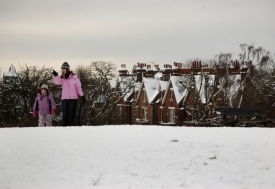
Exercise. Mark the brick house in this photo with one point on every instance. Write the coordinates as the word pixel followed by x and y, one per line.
pixel 175 95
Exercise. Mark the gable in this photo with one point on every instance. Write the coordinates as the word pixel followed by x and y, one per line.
pixel 152 88
pixel 200 85
pixel 125 86
pixel 179 84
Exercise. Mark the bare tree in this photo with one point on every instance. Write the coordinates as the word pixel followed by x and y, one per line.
pixel 101 104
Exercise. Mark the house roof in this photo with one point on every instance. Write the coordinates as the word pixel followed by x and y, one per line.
pixel 137 85
pixel 126 84
pixel 235 81
pixel 200 85
pixel 164 85
pixel 158 75
pixel 11 73
pixel 151 87
pixel 179 84
pixel 113 83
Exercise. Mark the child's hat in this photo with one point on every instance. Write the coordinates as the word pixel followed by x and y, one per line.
pixel 44 86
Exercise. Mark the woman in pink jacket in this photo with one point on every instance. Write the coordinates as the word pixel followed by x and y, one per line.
pixel 71 89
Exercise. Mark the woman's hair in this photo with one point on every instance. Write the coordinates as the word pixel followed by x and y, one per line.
pixel 68 72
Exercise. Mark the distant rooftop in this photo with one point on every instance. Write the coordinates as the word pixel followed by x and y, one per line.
pixel 11 72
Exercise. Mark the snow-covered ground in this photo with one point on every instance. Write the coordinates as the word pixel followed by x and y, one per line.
pixel 132 157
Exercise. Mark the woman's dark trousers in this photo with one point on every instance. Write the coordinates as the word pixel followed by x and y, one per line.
pixel 68 111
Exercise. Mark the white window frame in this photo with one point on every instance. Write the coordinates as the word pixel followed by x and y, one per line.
pixel 144 113
pixel 172 119
pixel 119 106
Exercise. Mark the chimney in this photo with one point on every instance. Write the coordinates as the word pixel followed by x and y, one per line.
pixel 156 67
pixel 167 70
pixel 140 70
pixel 178 64
pixel 122 70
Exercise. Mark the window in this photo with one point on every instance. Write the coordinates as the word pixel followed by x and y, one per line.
pixel 144 113
pixel 119 109
pixel 161 113
pixel 171 94
pixel 172 114
pixel 219 96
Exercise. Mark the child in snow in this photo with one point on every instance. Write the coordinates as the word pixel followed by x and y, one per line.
pixel 45 106
pixel 71 89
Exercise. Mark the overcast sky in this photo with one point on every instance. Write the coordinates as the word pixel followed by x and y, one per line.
pixel 49 32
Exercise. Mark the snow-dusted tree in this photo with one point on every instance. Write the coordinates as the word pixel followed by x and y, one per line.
pixel 10 103
pixel 30 79
pixel 264 81
pixel 19 95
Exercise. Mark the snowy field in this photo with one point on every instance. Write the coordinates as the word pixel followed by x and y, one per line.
pixel 137 157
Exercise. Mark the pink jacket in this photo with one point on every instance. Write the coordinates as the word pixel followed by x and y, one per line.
pixel 71 87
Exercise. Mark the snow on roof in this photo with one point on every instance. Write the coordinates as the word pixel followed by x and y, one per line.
pixel 137 86
pixel 141 68
pixel 200 82
pixel 123 68
pixel 200 85
pixel 211 80
pixel 235 81
pixel 113 83
pixel 180 89
pixel 156 69
pixel 164 85
pixel 126 84
pixel 158 75
pixel 151 87
pixel 11 73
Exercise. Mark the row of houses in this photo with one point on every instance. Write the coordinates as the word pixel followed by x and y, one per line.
pixel 177 95
pixel 174 94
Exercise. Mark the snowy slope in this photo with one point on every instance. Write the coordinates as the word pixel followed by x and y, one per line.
pixel 137 157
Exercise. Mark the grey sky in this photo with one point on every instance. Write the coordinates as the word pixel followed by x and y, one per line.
pixel 49 32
